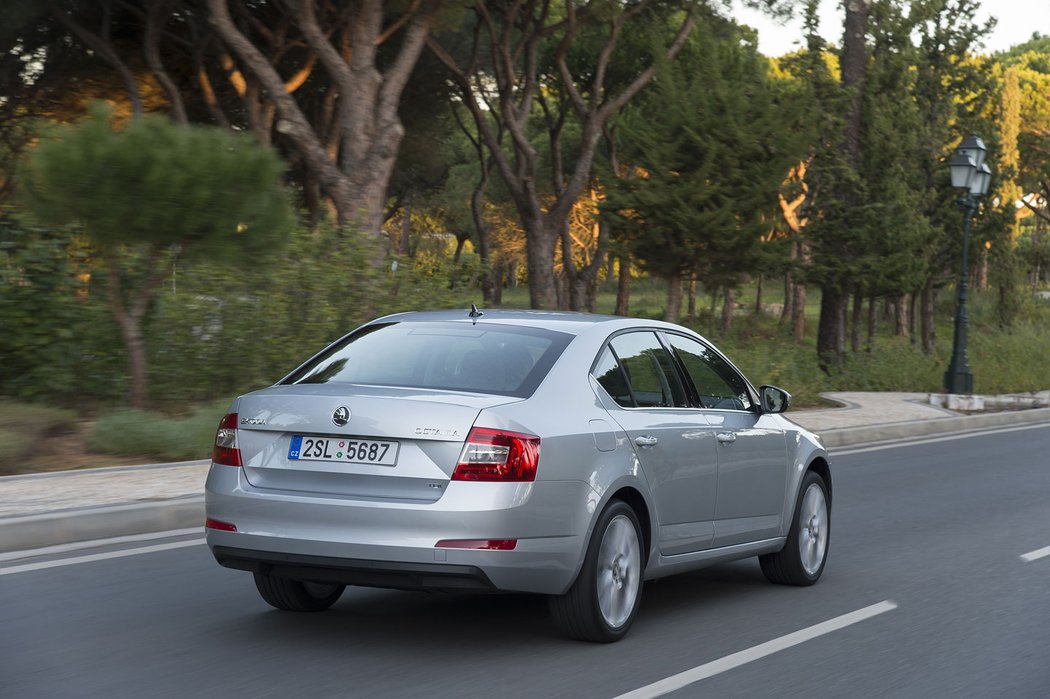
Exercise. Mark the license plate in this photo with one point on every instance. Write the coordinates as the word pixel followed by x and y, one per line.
pixel 344 450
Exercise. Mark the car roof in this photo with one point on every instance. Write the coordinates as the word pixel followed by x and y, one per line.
pixel 570 322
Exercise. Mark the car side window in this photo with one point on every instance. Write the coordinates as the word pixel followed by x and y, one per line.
pixel 609 374
pixel 717 384
pixel 649 370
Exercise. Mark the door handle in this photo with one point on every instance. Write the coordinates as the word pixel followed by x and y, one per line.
pixel 726 437
pixel 646 441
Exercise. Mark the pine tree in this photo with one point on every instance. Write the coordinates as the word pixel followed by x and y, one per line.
pixel 706 150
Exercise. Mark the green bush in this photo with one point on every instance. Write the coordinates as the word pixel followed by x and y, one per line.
pixel 142 433
pixel 217 331
pixel 59 338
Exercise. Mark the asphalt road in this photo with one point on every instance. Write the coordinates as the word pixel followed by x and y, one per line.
pixel 935 530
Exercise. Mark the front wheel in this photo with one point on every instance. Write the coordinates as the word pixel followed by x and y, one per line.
pixel 802 559
pixel 603 601
pixel 295 595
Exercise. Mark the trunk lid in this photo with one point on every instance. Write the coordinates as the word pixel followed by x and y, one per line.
pixel 363 442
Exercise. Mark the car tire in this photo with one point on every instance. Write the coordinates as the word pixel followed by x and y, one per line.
pixel 802 559
pixel 295 595
pixel 602 603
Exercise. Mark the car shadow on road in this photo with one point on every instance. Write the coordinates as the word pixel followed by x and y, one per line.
pixel 419 620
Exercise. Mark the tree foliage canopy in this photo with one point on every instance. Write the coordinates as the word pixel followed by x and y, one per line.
pixel 208 190
pixel 704 153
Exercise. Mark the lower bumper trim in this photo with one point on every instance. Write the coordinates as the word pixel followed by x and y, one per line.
pixel 350 571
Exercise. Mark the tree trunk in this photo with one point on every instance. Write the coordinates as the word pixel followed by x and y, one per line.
pixel 728 303
pixel 929 329
pixel 369 128
pixel 582 282
pixel 691 313
pixel 496 282
pixel 461 240
pixel 623 287
pixel 129 318
pixel 855 321
pixel 913 301
pixel 562 290
pixel 674 298
pixel 900 316
pixel 758 295
pixel 582 289
pixel 156 15
pixel 539 256
pixel 788 312
pixel 491 289
pixel 872 317
pixel 830 329
pixel 798 312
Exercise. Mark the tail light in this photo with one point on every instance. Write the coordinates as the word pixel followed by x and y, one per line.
pixel 226 451
pixel 497 455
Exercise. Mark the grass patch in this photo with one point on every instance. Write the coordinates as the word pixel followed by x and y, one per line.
pixel 143 433
pixel 22 426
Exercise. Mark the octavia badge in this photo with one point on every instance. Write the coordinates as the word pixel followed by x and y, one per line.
pixel 341 416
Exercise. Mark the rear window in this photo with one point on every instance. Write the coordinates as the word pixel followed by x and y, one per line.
pixel 480 358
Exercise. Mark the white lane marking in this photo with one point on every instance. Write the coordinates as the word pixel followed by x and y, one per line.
pixel 716 667
pixel 27 567
pixel 1036 555
pixel 95 543
pixel 906 442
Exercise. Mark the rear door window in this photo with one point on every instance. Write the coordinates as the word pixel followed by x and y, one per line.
pixel 636 371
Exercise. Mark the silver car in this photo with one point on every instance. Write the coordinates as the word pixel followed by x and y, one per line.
pixel 565 454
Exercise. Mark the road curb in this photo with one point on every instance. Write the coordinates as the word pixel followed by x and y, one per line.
pixel 68 526
pixel 853 436
pixel 44 475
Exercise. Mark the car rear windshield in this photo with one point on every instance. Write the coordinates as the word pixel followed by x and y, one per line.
pixel 482 358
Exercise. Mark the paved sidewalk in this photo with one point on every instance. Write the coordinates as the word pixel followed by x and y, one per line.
pixel 60 507
pixel 864 409
pixel 60 491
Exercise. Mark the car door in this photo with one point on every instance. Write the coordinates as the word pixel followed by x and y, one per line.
pixel 751 446
pixel 672 441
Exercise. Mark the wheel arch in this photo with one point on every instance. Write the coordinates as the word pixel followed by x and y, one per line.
pixel 820 466
pixel 634 498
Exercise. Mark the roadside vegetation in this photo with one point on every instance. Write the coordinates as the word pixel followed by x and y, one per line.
pixel 242 198
pixel 23 426
pixel 158 435
pixel 209 353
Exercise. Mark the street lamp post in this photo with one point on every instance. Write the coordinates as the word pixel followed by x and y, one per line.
pixel 971 175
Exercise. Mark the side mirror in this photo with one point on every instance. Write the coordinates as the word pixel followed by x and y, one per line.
pixel 774 400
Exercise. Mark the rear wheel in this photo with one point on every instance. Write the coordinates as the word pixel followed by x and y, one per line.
pixel 295 595
pixel 802 559
pixel 603 601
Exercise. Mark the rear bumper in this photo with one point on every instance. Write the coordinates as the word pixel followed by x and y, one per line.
pixel 346 571
pixel 393 543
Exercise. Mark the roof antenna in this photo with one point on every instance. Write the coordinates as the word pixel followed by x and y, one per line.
pixel 475 313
